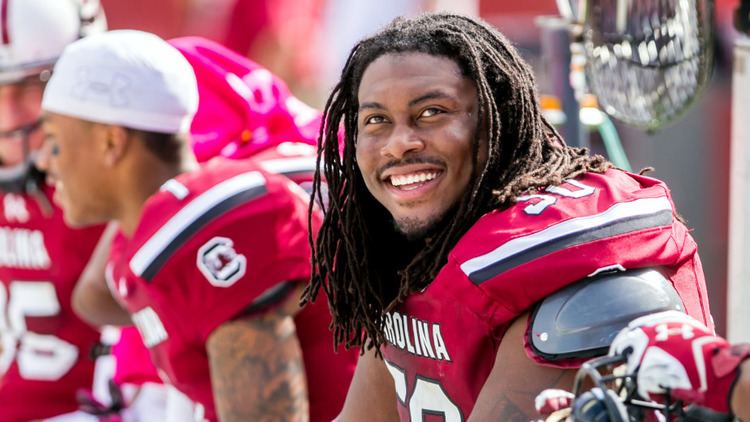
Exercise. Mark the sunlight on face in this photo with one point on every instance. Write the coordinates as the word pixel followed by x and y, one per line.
pixel 417 125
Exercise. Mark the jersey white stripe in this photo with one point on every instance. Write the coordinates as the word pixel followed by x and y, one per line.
pixel 289 165
pixel 618 212
pixel 191 212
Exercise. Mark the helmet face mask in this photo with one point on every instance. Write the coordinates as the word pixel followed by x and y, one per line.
pixel 33 35
pixel 616 393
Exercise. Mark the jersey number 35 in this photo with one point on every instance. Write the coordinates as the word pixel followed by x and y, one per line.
pixel 39 357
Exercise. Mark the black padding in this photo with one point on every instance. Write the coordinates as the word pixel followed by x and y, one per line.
pixel 696 413
pixel 581 320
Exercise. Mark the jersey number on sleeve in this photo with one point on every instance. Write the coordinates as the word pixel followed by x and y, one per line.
pixel 544 200
pixel 428 397
pixel 39 357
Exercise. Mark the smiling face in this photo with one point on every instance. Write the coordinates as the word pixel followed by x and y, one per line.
pixel 417 124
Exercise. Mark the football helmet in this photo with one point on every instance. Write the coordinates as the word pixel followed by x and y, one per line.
pixel 33 34
pixel 657 365
pixel 614 397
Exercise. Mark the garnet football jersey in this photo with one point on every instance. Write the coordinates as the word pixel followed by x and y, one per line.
pixel 213 245
pixel 44 354
pixel 442 342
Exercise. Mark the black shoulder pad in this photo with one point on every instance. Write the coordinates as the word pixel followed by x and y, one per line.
pixel 581 320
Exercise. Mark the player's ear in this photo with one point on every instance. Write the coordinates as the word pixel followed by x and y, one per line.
pixel 114 142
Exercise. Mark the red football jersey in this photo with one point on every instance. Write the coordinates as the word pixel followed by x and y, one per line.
pixel 44 354
pixel 213 245
pixel 442 342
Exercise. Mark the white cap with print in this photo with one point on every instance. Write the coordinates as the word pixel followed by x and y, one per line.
pixel 128 78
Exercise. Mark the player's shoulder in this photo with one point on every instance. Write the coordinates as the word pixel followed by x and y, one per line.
pixel 591 205
pixel 217 185
pixel 224 196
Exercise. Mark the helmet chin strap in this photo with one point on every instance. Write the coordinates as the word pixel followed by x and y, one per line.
pixel 13 178
pixel 25 178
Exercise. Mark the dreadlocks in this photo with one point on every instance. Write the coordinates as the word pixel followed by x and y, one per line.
pixel 358 259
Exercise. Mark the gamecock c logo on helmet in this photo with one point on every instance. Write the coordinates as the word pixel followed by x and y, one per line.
pixel 220 263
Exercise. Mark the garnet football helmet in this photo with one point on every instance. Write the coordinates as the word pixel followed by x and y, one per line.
pixel 33 34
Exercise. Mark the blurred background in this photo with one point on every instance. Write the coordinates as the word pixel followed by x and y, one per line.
pixel 307 41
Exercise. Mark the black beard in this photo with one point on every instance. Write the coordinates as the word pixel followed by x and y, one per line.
pixel 413 230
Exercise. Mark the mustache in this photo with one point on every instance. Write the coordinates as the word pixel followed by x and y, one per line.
pixel 408 161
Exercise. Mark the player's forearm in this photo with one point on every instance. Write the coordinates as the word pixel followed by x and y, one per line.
pixel 96 306
pixel 257 371
pixel 92 300
pixel 740 400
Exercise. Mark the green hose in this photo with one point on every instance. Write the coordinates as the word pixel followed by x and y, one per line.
pixel 612 143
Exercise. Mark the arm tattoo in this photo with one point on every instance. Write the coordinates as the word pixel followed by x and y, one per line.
pixel 506 410
pixel 516 404
pixel 257 370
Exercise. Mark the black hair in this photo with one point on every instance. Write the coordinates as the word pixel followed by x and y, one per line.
pixel 167 147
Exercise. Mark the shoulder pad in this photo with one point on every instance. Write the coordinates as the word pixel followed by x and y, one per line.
pixel 581 320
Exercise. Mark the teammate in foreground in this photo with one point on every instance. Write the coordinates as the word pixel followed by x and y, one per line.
pixel 243 111
pixel 209 258
pixel 454 208
pixel 44 353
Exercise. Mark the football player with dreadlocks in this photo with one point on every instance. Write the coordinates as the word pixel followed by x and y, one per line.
pixel 44 353
pixel 455 208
